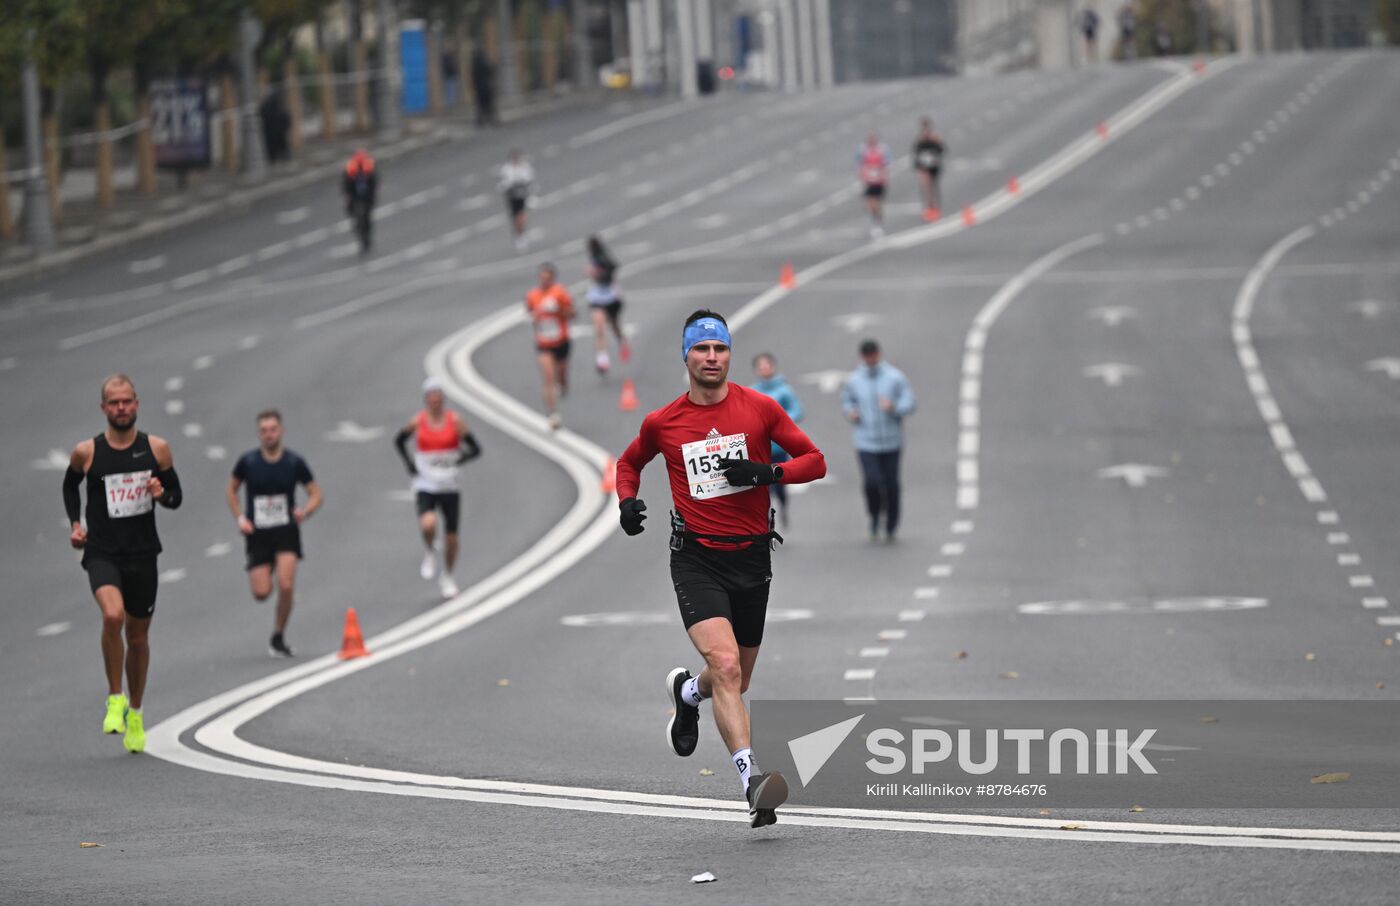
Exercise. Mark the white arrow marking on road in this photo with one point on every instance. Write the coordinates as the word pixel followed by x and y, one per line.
pixel 54 461
pixel 174 407
pixel 811 751
pixel 215 453
pixel 351 433
pixel 1111 373
pixel 856 321
pixel 1113 315
pixel 172 575
pixel 50 629
pixel 146 265
pixel 202 362
pixel 1390 365
pixel 218 549
pixel 711 221
pixel 1135 474
pixel 828 381
pixel 295 215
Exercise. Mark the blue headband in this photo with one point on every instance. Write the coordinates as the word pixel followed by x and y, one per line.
pixel 701 330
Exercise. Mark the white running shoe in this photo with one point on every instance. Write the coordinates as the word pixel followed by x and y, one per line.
pixel 428 569
pixel 448 586
pixel 555 421
pixel 602 363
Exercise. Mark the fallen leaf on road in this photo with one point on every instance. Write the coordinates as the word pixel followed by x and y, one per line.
pixel 1137 808
pixel 1009 674
pixel 1380 685
pixel 1210 720
pixel 1072 826
pixel 503 682
pixel 706 772
pixel 959 655
pixel 1388 642
pixel 1335 777
pixel 704 877
pixel 90 845
pixel 1045 812
pixel 1309 656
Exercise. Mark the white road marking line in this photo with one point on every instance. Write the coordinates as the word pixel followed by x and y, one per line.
pixel 625 123
pixel 961 527
pixel 174 407
pixel 1338 538
pixel 146 265
pixel 53 629
pixel 1388 621
pixel 174 384
pixel 249 342
pixel 233 264
pixel 171 576
pixel 1361 581
pixel 1111 373
pixel 215 453
pixel 952 549
pixel 858 674
pixel 8 363
pixel 344 250
pixel 1327 517
pixel 940 571
pixel 874 652
pixel 1348 559
pixel 1135 475
pixel 218 549
pixel 1374 603
pixel 191 279
pixel 192 429
pixel 911 616
pixel 473 203
pixel 295 215
pixel 926 592
pixel 202 363
pixel 54 461
pixel 273 250
pixel 892 635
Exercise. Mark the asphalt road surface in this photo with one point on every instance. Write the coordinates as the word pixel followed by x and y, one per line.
pixel 1163 370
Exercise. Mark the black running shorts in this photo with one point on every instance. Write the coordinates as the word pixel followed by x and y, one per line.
pixel 264 545
pixel 135 579
pixel 450 504
pixel 515 205
pixel 724 583
pixel 875 190
pixel 560 352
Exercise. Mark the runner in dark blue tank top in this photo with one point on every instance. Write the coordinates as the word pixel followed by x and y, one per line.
pixel 127 473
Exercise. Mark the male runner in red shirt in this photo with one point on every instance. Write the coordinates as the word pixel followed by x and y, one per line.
pixel 716 440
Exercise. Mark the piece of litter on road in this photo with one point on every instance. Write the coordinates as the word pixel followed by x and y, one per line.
pixel 1009 674
pixel 1071 826
pixel 704 877
pixel 1380 685
pixel 1210 720
pixel 706 772
pixel 503 682
pixel 1137 808
pixel 90 845
pixel 1045 812
pixel 1334 777
pixel 959 655
pixel 1309 656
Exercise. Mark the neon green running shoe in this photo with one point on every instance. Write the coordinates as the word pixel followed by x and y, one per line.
pixel 115 721
pixel 135 740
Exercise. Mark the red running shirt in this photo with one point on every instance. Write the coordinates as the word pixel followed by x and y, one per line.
pixel 694 438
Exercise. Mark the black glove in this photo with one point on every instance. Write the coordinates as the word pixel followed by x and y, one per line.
pixel 745 473
pixel 633 515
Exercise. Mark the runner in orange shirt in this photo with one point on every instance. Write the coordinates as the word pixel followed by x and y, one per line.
pixel 551 309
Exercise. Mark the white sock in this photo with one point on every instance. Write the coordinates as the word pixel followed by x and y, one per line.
pixel 743 761
pixel 136 711
pixel 690 692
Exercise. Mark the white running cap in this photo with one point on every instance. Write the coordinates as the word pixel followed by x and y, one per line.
pixel 432 384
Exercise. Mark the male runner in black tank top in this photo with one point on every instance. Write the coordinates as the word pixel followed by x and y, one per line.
pixel 127 472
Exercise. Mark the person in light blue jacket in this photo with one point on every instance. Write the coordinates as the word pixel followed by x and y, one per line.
pixel 876 399
pixel 770 383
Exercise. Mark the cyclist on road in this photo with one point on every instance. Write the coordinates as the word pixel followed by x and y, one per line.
pixel 716 440
pixel 359 185
pixel 873 160
pixel 127 472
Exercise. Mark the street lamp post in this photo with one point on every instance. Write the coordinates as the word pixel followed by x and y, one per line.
pixel 254 156
pixel 38 226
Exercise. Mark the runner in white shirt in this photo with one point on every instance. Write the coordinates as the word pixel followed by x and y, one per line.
pixel 517 185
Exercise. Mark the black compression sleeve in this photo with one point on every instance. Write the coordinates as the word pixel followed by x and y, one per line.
pixel 401 443
pixel 72 500
pixel 470 449
pixel 173 495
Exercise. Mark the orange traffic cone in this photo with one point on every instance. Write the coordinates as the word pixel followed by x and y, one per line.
pixel 354 643
pixel 609 483
pixel 1102 129
pixel 969 218
pixel 788 279
pixel 628 401
pixel 1013 185
pixel 1198 67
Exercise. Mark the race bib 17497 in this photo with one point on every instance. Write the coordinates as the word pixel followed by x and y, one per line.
pixel 127 494
pixel 702 464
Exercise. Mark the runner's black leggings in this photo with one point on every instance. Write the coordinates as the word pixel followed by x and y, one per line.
pixel 881 471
